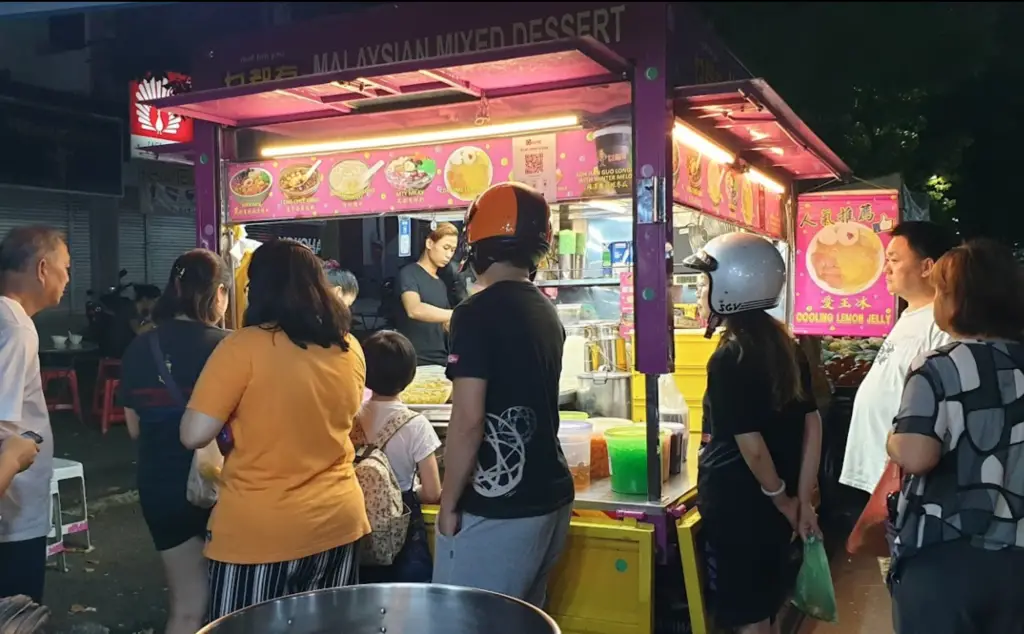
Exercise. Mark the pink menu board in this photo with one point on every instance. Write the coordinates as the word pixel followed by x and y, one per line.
pixel 626 325
pixel 717 190
pixel 564 166
pixel 839 286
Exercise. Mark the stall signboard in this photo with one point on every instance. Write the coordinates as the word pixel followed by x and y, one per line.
pixel 151 126
pixel 839 282
pixel 572 165
pixel 720 191
pixel 409 32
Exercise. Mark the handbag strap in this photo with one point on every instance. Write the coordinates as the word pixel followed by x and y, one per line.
pixel 161 368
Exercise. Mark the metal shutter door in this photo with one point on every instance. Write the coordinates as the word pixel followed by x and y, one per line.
pixel 167 237
pixel 21 207
pixel 80 246
pixel 131 245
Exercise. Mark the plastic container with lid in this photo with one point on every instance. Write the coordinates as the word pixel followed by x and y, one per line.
pixel 566 414
pixel 677 446
pixel 574 436
pixel 627 456
pixel 599 467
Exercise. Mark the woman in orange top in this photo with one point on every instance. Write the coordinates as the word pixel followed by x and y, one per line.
pixel 289 384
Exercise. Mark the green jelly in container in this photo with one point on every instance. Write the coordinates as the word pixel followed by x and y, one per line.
pixel 627 458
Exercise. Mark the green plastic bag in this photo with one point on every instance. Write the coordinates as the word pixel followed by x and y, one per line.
pixel 814 595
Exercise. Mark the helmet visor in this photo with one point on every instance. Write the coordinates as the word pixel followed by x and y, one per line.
pixel 701 261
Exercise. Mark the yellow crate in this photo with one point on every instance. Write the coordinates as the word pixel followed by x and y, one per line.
pixel 691 383
pixel 696 414
pixel 603 583
pixel 693 350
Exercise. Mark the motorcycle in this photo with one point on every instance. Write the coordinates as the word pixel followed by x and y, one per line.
pixel 114 318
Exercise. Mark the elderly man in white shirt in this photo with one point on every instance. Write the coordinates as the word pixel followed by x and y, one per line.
pixel 914 249
pixel 34 263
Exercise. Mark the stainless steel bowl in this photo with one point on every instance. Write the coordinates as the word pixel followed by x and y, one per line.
pixel 391 608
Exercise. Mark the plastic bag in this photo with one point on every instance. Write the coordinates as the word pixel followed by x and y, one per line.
pixel 671 402
pixel 815 595
pixel 204 476
pixel 868 534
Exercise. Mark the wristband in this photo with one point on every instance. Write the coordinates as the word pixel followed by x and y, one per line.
pixel 774 494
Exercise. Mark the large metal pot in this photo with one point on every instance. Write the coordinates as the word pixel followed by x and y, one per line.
pixel 389 608
pixel 608 394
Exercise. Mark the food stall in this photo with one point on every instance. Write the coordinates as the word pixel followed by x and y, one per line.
pixel 394 114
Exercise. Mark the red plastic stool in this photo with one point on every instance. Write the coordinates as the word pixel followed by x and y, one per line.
pixel 64 395
pixel 107 369
pixel 111 412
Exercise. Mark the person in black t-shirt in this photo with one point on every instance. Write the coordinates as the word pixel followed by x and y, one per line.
pixel 759 468
pixel 507 496
pixel 425 309
pixel 187 315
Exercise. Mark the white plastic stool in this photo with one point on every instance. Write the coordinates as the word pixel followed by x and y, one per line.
pixel 71 470
pixel 54 539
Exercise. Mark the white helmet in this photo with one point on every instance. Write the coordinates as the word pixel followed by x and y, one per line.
pixel 745 272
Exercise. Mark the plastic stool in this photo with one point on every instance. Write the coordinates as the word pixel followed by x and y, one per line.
pixel 111 412
pixel 70 470
pixel 54 539
pixel 58 402
pixel 107 369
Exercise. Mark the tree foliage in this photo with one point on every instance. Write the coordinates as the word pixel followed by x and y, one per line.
pixel 924 89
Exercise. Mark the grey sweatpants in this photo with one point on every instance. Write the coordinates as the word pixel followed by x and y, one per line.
pixel 512 557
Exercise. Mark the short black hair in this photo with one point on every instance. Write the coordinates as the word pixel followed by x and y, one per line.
pixel 345 280
pixel 390 362
pixel 24 247
pixel 926 239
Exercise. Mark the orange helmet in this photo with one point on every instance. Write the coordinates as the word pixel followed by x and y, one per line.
pixel 508 222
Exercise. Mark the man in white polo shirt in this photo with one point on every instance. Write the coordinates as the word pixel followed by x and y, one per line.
pixel 34 263
pixel 914 249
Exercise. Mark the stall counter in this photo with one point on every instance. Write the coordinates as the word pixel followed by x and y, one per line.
pixel 612 548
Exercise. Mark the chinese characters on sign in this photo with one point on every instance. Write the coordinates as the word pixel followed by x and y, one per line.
pixel 261 74
pixel 718 190
pixel 839 282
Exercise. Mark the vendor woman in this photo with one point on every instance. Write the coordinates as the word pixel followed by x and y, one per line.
pixel 426 310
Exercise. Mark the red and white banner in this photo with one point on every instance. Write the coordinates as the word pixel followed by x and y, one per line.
pixel 151 126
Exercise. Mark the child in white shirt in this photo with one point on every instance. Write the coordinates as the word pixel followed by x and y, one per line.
pixel 390 368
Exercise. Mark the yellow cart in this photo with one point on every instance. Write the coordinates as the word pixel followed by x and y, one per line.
pixel 604 582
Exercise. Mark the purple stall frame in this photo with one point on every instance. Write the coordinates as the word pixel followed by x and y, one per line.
pixel 656 45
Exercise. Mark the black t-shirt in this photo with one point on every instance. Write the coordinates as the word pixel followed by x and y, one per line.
pixel 430 340
pixel 163 461
pixel 510 335
pixel 739 401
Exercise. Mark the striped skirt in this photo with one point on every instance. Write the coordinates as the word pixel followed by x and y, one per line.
pixel 237 586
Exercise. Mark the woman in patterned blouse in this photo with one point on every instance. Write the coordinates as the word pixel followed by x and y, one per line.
pixel 959 438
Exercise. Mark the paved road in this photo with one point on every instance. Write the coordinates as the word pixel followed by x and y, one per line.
pixel 119 584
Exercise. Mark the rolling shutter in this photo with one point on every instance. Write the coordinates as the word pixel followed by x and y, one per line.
pixel 167 237
pixel 131 245
pixel 66 213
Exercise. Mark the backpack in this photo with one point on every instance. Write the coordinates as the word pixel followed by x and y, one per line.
pixel 388 514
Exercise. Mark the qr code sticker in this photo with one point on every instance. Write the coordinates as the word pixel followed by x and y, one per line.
pixel 534 163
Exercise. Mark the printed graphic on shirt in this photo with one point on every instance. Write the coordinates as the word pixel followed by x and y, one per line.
pixel 967 397
pixel 507 436
pixel 884 352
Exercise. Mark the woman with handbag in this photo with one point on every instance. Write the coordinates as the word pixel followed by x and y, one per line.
pixel 290 510
pixel 759 469
pixel 959 548
pixel 158 368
